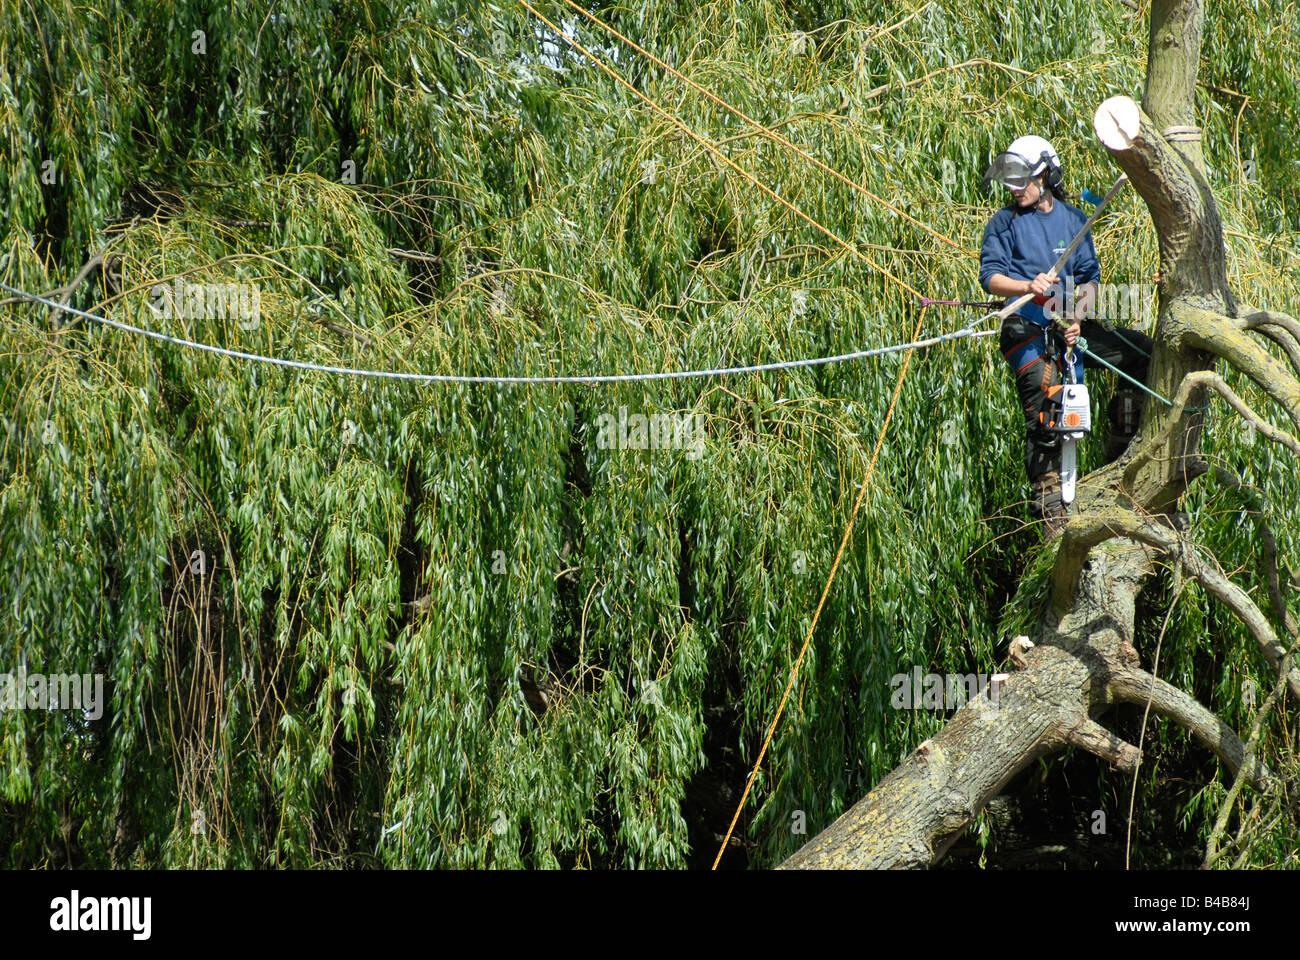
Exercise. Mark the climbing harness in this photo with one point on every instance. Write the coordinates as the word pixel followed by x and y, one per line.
pixel 1075 419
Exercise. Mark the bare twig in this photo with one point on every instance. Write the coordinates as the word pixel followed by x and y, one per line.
pixel 338 328
pixel 65 292
pixel 262 224
pixel 413 255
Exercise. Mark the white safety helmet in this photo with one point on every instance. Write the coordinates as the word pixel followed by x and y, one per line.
pixel 1026 157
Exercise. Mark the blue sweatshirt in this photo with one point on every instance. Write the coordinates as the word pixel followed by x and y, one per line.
pixel 1022 245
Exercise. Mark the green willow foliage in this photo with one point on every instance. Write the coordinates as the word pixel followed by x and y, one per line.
pixel 348 622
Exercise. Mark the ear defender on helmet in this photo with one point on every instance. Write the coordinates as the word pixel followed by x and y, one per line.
pixel 1051 172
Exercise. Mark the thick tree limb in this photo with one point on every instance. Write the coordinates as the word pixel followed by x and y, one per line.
pixel 1217 584
pixel 1189 230
pixel 911 817
pixel 1137 686
pixel 1080 536
pixel 1173 61
pixel 1079 667
pixel 1278 327
pixel 1284 340
pixel 1203 330
pixel 1251 318
pixel 915 813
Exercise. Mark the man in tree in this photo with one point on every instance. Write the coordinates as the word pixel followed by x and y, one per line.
pixel 1022 242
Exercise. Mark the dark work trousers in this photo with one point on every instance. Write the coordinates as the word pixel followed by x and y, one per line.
pixel 1036 356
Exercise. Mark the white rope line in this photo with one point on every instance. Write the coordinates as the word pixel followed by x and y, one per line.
pixel 967 331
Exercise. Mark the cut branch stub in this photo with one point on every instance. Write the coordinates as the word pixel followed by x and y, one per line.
pixel 1118 123
pixel 1186 220
pixel 1096 739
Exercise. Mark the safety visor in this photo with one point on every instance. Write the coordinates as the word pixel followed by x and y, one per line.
pixel 1010 170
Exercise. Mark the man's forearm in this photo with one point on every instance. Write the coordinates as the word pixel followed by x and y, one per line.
pixel 1000 285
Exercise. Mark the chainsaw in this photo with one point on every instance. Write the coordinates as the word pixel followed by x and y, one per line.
pixel 1074 423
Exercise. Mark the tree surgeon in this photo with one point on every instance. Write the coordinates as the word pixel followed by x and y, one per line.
pixel 1022 241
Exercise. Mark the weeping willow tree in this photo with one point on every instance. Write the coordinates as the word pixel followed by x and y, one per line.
pixel 363 622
